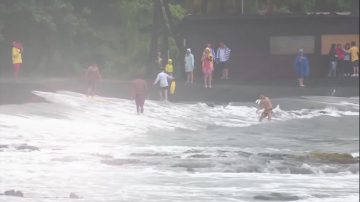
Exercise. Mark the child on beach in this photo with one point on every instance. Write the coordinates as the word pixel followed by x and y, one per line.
pixel 163 79
pixel 92 76
pixel 169 68
pixel 139 92
pixel 265 103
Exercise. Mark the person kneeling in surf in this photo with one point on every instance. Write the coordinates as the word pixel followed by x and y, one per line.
pixel 265 103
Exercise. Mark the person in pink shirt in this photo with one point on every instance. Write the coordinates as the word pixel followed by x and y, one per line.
pixel 340 52
pixel 207 61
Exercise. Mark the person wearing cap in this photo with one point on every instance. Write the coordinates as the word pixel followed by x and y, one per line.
pixel 189 66
pixel 302 67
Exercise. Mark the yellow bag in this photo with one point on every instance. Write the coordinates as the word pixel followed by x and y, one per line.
pixel 172 87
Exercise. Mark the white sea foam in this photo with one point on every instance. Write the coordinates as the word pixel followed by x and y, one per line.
pixel 100 149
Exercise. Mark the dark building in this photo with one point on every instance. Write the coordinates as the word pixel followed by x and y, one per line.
pixel 265 46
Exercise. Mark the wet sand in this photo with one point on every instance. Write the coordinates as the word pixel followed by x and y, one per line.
pixel 12 92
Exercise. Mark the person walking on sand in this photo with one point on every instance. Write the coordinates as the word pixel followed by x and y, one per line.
pixel 163 80
pixel 302 67
pixel 354 54
pixel 266 105
pixel 222 59
pixel 207 61
pixel 17 50
pixel 189 66
pixel 139 91
pixel 92 76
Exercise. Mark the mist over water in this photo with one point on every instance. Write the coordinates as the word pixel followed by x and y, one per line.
pixel 102 150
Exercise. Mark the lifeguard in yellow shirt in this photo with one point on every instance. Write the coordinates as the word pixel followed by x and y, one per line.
pixel 17 50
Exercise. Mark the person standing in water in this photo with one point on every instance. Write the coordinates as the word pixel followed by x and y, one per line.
pixel 92 76
pixel 163 79
pixel 266 105
pixel 189 66
pixel 139 92
pixel 17 50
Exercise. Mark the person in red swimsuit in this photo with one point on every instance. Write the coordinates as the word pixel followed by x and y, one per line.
pixel 92 77
pixel 139 91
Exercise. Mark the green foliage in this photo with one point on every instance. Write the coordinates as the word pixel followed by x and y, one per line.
pixel 62 37
pixel 177 11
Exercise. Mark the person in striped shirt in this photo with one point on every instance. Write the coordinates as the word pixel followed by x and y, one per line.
pixel 222 59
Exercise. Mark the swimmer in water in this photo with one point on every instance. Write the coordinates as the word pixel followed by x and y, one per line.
pixel 265 103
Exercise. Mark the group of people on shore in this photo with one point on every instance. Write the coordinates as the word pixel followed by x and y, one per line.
pixel 344 60
pixel 210 59
pixel 210 62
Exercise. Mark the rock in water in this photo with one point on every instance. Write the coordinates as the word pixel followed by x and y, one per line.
pixel 276 197
pixel 342 158
pixel 27 147
pixel 73 196
pixel 13 193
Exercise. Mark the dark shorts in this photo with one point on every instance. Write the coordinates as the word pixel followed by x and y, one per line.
pixel 223 65
pixel 163 88
pixel 355 63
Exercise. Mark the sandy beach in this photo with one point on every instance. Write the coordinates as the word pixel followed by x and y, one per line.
pixel 19 92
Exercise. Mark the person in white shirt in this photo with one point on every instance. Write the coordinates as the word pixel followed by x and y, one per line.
pixel 163 80
pixel 189 66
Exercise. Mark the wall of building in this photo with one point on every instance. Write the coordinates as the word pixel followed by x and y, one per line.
pixel 265 46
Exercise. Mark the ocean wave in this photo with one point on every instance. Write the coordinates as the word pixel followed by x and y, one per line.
pixel 170 116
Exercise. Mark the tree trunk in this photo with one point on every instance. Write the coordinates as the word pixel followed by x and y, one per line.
pixel 204 7
pixel 171 28
pixel 153 49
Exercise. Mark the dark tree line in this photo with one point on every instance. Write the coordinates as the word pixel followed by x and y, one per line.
pixel 62 37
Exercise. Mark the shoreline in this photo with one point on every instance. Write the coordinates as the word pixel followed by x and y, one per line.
pixel 20 92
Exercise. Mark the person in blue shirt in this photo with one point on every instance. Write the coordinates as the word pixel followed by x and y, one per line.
pixel 302 67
